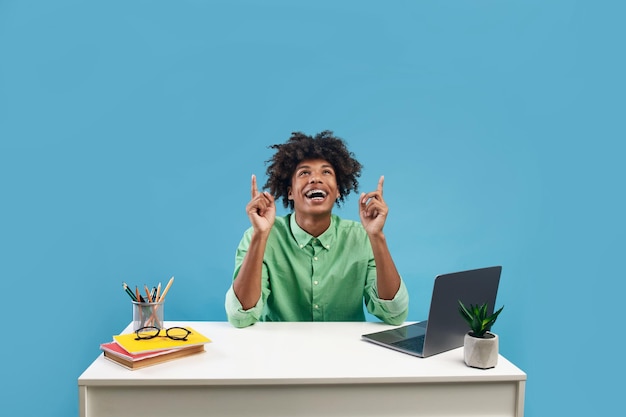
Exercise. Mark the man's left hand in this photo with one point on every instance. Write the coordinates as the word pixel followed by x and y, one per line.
pixel 373 209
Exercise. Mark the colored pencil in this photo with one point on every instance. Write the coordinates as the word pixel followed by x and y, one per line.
pixel 167 288
pixel 148 293
pixel 129 291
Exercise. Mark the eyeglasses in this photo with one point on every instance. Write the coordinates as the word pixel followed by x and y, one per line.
pixel 150 332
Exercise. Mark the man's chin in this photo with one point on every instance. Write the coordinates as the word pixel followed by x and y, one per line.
pixel 316 209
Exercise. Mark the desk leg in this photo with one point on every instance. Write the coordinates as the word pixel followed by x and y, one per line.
pixel 82 401
pixel 521 393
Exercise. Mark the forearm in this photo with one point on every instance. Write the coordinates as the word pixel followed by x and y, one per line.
pixel 247 284
pixel 387 277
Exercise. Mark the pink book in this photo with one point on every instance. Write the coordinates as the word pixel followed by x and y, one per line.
pixel 115 349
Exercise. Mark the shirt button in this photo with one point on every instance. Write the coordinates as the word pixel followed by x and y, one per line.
pixel 316 306
pixel 315 258
pixel 327 246
pixel 315 282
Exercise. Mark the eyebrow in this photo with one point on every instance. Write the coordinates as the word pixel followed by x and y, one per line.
pixel 309 166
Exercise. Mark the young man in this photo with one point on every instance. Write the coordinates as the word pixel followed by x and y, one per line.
pixel 311 265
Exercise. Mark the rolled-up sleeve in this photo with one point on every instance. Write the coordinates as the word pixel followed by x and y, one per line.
pixel 235 312
pixel 394 311
pixel 239 317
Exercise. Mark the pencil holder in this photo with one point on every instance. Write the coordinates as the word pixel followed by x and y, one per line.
pixel 147 315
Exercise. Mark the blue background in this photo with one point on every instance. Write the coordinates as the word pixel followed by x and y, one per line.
pixel 129 131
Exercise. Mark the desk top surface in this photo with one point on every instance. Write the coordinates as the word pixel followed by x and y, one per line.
pixel 296 353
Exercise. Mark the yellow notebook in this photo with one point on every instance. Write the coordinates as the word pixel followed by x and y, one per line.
pixel 128 342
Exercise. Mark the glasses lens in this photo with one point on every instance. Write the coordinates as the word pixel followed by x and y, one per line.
pixel 178 333
pixel 147 333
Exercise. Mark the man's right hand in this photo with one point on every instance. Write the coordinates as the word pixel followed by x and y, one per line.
pixel 261 209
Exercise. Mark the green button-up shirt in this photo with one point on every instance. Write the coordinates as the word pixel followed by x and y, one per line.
pixel 305 278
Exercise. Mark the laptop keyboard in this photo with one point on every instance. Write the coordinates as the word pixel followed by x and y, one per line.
pixel 414 344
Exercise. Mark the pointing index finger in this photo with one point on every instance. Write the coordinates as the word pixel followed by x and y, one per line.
pixel 253 188
pixel 380 184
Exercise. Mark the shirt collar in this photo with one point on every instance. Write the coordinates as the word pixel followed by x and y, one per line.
pixel 303 238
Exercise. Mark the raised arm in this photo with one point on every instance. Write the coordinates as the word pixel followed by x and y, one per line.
pixel 262 213
pixel 373 213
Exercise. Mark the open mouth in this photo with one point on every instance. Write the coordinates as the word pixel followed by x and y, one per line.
pixel 316 194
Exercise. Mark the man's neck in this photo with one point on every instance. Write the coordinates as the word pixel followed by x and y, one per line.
pixel 313 225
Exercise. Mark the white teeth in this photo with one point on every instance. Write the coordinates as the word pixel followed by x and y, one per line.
pixel 316 193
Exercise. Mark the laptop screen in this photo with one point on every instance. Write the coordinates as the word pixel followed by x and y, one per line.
pixel 446 328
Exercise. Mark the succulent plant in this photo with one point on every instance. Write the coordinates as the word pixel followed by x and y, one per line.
pixel 479 320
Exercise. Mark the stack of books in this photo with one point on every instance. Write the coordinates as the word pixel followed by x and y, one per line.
pixel 133 354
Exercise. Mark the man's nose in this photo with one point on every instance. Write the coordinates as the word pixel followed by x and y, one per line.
pixel 315 178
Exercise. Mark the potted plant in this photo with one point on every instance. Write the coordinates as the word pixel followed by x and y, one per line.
pixel 480 345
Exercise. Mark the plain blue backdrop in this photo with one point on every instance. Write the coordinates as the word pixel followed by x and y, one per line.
pixel 129 131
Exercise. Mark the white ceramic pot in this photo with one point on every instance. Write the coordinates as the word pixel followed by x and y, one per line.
pixel 481 352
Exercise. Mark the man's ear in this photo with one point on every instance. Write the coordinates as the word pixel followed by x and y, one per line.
pixel 289 195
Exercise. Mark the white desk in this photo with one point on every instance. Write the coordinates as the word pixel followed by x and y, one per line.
pixel 301 369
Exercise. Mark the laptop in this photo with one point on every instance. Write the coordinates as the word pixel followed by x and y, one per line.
pixel 445 328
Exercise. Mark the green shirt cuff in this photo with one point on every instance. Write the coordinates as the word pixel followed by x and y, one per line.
pixel 237 316
pixel 394 311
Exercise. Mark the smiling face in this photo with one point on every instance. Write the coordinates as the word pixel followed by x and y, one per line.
pixel 314 188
